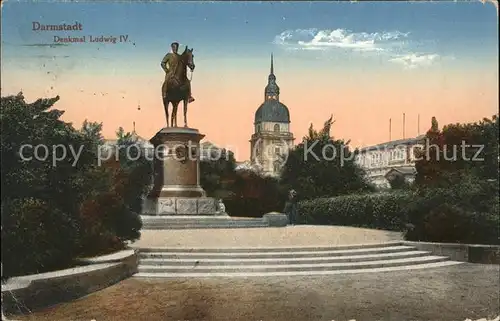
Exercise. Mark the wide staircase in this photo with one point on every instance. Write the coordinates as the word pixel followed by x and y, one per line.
pixel 234 262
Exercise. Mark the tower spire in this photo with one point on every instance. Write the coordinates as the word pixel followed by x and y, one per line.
pixel 272 90
pixel 272 64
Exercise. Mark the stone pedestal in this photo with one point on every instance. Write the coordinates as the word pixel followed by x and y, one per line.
pixel 176 185
pixel 177 165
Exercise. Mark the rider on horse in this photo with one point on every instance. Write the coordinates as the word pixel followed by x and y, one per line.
pixel 169 63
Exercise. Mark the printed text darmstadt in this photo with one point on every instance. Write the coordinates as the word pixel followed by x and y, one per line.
pixel 76 38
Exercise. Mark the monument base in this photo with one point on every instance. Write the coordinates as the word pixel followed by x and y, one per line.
pixel 181 206
pixel 179 191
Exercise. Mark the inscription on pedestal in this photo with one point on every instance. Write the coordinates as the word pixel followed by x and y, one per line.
pixel 187 206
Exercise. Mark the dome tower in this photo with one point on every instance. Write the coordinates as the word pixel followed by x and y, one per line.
pixel 272 136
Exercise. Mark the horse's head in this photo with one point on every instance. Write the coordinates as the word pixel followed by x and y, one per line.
pixel 188 58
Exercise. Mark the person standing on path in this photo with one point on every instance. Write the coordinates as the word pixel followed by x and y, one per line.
pixel 291 207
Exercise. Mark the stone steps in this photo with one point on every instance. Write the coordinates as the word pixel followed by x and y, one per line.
pixel 206 262
pixel 200 226
pixel 202 262
pixel 294 273
pixel 282 254
pixel 395 245
pixel 199 222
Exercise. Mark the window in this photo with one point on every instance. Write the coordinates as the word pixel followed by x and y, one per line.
pixel 277 150
pixel 276 127
pixel 401 154
pixel 398 154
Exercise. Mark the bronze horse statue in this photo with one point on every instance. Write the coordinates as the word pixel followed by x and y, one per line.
pixel 177 87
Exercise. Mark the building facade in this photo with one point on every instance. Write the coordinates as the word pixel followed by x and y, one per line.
pixel 272 137
pixel 385 161
pixel 110 147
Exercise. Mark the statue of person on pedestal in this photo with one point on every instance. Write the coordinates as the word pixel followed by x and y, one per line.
pixel 221 208
pixel 177 86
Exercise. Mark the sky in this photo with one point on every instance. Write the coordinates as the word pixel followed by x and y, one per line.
pixel 365 63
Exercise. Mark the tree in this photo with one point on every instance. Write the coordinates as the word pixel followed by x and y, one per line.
pixel 322 166
pixel 471 147
pixel 217 173
pixel 131 173
pixel 136 167
pixel 33 186
pixel 92 130
pixel 59 206
pixel 245 192
pixel 457 185
pixel 254 194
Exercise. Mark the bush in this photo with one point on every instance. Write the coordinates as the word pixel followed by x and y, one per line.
pixel 36 237
pixel 377 210
pixel 254 195
pixel 399 182
pixel 52 214
pixel 107 223
pixel 466 212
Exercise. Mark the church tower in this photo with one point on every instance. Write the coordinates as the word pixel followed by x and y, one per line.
pixel 272 138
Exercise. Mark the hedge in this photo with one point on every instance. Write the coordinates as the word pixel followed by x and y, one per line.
pixel 376 210
pixel 465 212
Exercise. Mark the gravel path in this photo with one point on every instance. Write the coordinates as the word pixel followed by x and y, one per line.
pixel 443 294
pixel 305 235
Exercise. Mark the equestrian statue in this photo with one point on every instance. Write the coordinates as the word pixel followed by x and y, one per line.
pixel 177 86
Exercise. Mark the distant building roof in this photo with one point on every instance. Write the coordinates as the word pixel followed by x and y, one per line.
pixel 207 144
pixel 247 166
pixel 393 143
pixel 405 170
pixel 272 111
pixel 208 151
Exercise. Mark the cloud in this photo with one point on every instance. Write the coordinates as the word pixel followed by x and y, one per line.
pixel 412 61
pixel 395 45
pixel 338 38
